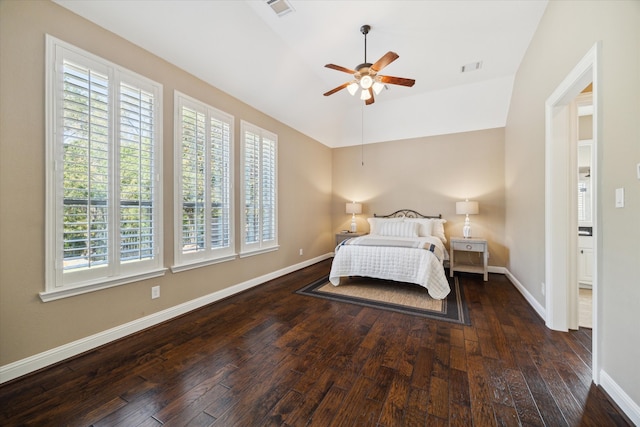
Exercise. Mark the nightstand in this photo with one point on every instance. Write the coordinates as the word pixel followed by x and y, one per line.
pixel 344 236
pixel 460 244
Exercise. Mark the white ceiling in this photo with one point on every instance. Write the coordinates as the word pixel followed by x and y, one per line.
pixel 276 64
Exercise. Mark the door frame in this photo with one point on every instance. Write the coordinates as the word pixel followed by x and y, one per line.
pixel 561 219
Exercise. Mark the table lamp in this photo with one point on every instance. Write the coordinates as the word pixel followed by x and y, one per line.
pixel 466 208
pixel 354 208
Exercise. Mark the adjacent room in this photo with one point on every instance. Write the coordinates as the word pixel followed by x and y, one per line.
pixel 199 199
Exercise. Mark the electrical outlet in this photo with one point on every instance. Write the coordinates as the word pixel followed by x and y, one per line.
pixel 155 292
pixel 301 252
pixel 542 287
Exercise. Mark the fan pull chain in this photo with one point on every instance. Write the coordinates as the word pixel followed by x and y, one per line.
pixel 362 135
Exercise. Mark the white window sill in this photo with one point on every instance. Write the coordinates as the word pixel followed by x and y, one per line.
pixel 201 263
pixel 67 292
pixel 259 251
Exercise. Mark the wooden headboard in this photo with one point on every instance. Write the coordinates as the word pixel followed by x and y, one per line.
pixel 407 213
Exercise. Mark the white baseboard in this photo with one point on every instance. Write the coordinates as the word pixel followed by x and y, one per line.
pixel 58 354
pixel 615 392
pixel 496 269
pixel 525 293
pixel 622 399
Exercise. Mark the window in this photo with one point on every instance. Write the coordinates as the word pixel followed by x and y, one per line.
pixel 103 173
pixel 259 190
pixel 203 170
pixel 584 202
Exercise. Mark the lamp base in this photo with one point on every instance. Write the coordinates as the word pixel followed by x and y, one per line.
pixel 466 230
pixel 354 226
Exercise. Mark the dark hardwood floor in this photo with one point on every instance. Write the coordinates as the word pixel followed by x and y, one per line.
pixel 272 357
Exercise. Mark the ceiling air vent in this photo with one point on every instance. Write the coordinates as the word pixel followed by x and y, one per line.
pixel 280 7
pixel 473 66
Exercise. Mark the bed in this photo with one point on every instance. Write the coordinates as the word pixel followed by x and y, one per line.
pixel 404 246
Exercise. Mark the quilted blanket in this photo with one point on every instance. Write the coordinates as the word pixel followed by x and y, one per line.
pixel 411 260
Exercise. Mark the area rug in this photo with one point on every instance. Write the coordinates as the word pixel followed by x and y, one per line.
pixel 394 296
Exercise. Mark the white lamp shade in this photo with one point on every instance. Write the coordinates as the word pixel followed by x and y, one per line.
pixel 377 87
pixel 353 88
pixel 365 95
pixel 354 208
pixel 466 208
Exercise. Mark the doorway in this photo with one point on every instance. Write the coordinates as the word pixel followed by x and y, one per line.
pixel 584 108
pixel 561 204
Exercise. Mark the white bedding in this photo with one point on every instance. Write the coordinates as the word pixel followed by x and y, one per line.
pixel 402 264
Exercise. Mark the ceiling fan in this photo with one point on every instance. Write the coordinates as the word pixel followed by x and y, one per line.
pixel 366 75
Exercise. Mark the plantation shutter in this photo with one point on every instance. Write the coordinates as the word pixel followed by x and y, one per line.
pixel 204 169
pixel 103 166
pixel 584 202
pixel 252 187
pixel 259 189
pixel 268 190
pixel 137 181
pixel 85 168
pixel 220 183
pixel 193 180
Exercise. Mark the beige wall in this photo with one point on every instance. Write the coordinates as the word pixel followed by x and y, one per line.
pixel 428 175
pixel 502 169
pixel 585 127
pixel 566 33
pixel 29 326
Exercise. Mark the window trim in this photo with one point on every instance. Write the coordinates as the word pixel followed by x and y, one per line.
pixel 260 247
pixel 210 256
pixel 121 272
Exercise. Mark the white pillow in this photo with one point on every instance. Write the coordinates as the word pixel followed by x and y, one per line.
pixel 399 229
pixel 376 223
pixel 425 226
pixel 438 229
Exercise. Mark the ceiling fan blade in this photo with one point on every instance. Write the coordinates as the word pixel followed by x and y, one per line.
pixel 342 86
pixel 339 68
pixel 387 59
pixel 371 100
pixel 397 80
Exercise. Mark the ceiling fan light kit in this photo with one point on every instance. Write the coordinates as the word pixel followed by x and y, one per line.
pixel 366 81
pixel 366 75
